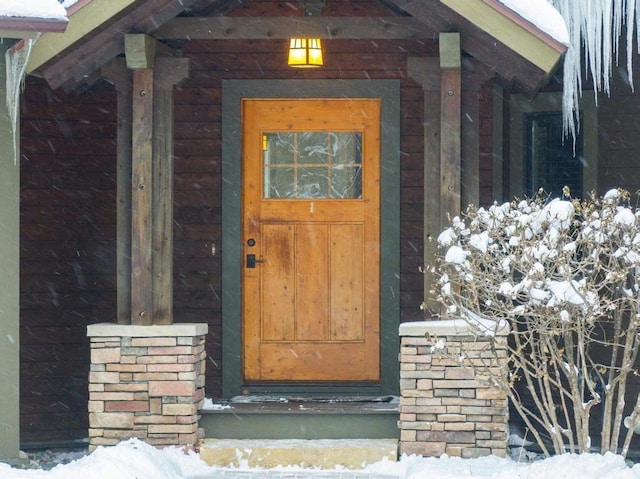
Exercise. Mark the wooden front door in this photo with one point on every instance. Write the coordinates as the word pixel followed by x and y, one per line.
pixel 311 202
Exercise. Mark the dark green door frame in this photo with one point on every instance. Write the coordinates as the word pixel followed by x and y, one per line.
pixel 233 91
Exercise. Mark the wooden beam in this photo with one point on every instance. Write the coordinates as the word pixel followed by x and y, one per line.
pixel 450 125
pixel 72 67
pixel 426 71
pixel 498 175
pixel 167 73
pixel 139 50
pixel 472 80
pixel 141 198
pixel 449 50
pixel 267 28
pixel 470 147
pixel 81 22
pixel 476 42
pixel 121 77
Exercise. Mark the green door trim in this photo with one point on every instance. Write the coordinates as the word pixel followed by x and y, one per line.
pixel 233 91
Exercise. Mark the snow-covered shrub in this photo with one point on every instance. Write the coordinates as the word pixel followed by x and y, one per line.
pixel 565 275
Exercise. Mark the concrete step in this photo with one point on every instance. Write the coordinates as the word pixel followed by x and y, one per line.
pixel 266 417
pixel 317 453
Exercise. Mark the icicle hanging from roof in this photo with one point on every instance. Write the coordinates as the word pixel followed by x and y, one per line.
pixel 596 26
pixel 16 64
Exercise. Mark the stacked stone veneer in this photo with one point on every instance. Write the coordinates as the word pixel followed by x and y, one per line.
pixel 146 382
pixel 444 407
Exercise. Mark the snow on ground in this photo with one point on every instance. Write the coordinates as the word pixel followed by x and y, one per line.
pixel 133 459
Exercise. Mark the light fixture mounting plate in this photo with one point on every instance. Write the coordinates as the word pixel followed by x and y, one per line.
pixel 312 8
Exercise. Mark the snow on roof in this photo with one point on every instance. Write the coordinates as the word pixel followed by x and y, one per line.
pixel 42 9
pixel 543 15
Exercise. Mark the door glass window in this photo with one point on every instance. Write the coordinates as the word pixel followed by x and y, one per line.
pixel 312 165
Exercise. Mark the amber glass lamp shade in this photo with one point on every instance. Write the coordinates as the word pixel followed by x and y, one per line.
pixel 305 53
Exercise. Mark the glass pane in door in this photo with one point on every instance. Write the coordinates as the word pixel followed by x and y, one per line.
pixel 318 165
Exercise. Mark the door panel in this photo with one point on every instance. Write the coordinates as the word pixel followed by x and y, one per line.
pixel 311 222
pixel 278 293
pixel 312 278
pixel 347 269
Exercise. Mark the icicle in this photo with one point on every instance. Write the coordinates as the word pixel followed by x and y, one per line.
pixel 637 22
pixel 572 14
pixel 606 63
pixel 618 8
pixel 596 25
pixel 16 64
pixel 631 22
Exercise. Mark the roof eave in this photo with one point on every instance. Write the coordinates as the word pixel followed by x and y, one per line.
pixel 84 18
pixel 509 28
pixel 30 27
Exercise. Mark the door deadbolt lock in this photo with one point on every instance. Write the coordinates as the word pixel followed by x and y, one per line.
pixel 251 261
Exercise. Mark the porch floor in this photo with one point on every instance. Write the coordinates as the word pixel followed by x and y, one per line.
pixel 294 417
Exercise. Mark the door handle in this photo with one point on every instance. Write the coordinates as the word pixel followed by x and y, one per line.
pixel 251 261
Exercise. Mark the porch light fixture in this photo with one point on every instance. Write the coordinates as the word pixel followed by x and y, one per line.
pixel 305 53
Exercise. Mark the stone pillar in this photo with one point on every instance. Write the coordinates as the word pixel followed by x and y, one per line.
pixel 146 382
pixel 445 408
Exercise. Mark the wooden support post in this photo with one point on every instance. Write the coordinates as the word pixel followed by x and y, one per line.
pixel 497 140
pixel 121 77
pixel 470 147
pixel 145 186
pixel 450 125
pixel 168 72
pixel 426 71
pixel 145 154
pixel 141 198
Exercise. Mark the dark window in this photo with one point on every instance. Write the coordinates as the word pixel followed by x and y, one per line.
pixel 550 161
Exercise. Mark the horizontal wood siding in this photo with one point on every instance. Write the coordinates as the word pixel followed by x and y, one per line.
pixel 67 248
pixel 618 140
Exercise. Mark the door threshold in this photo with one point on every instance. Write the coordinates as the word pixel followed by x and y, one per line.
pixel 330 398
pixel 283 404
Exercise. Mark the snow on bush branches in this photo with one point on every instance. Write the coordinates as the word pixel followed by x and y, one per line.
pixel 565 275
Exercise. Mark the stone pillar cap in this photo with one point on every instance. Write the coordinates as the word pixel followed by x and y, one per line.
pixel 156 330
pixel 456 327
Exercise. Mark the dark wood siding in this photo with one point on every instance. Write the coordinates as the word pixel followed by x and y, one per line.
pixel 68 207
pixel 67 248
pixel 618 139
